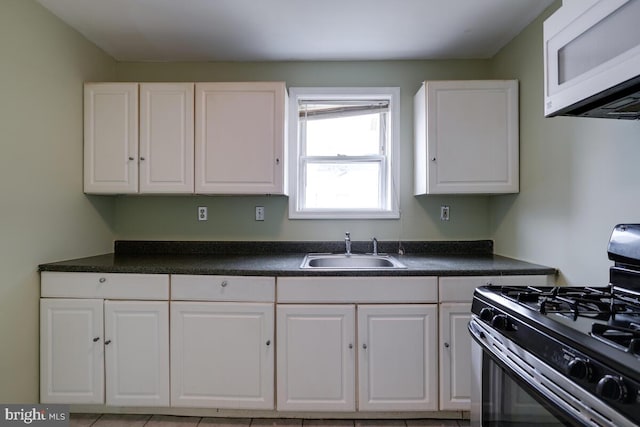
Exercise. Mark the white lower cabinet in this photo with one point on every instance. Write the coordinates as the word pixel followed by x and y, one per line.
pixel 71 351
pixel 136 337
pixel 455 362
pixel 343 347
pixel 129 357
pixel 316 357
pixel 397 357
pixel 455 294
pixel 89 344
pixel 222 355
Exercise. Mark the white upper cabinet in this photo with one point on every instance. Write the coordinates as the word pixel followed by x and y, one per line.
pixel 466 137
pixel 240 138
pixel 166 137
pixel 158 155
pixel 111 138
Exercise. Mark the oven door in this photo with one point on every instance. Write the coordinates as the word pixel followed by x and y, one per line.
pixel 510 387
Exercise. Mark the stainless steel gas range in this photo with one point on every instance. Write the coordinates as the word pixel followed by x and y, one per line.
pixel 561 355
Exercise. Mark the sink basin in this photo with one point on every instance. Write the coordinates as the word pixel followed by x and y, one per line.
pixel 350 262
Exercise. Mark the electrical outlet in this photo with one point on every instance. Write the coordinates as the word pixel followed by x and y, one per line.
pixel 202 213
pixel 259 213
pixel 444 213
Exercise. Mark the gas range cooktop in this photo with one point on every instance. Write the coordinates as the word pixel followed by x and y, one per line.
pixel 588 334
pixel 604 313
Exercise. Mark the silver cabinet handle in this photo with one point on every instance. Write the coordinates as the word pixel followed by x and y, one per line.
pixel 224 284
pixel 268 342
pixel 107 342
pixel 131 158
pixel 350 345
pixel 364 346
pixel 96 339
pixel 446 345
pixel 142 159
pixel 102 279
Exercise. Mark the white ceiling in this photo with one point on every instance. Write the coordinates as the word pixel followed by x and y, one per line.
pixel 282 30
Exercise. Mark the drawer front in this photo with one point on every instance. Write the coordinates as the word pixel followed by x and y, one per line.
pixel 357 289
pixel 222 288
pixel 460 288
pixel 104 285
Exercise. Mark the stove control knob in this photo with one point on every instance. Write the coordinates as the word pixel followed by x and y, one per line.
pixel 500 321
pixel 580 369
pixel 612 388
pixel 486 314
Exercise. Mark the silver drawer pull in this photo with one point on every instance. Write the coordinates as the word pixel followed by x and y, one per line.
pixel 224 284
pixel 102 279
pixel 96 339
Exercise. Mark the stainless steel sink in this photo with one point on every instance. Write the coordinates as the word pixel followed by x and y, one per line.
pixel 350 262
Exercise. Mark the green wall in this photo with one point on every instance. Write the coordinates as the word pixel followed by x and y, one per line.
pixel 43 214
pixel 232 218
pixel 579 177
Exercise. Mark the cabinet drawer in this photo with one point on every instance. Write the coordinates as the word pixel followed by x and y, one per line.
pixel 460 288
pixel 222 288
pixel 104 285
pixel 357 289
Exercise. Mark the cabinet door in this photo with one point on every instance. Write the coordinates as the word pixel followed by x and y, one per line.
pixel 166 137
pixel 111 138
pixel 240 138
pixel 222 355
pixel 71 351
pixel 455 357
pixel 398 358
pixel 467 137
pixel 316 357
pixel 137 353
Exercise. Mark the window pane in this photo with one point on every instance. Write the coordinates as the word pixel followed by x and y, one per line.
pixel 342 186
pixel 357 135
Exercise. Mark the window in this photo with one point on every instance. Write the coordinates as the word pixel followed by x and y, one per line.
pixel 344 152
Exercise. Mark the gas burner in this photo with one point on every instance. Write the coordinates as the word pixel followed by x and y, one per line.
pixel 574 302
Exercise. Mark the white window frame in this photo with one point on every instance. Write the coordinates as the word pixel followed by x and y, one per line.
pixel 391 168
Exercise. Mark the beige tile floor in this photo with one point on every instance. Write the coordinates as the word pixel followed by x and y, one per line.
pixel 118 420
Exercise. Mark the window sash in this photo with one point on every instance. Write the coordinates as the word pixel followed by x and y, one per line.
pixel 381 184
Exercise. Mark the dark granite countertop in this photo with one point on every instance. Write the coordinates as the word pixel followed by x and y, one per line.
pixel 472 258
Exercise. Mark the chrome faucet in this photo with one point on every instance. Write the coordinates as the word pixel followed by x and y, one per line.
pixel 347 243
pixel 375 245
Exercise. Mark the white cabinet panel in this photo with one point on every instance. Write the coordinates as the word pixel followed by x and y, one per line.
pixel 240 138
pixel 71 351
pixel 398 357
pixel 466 137
pixel 222 355
pixel 166 137
pixel 223 288
pixel 316 357
pixel 455 356
pixel 111 138
pixel 137 353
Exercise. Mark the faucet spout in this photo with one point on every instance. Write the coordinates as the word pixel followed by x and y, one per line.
pixel 347 243
pixel 374 241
